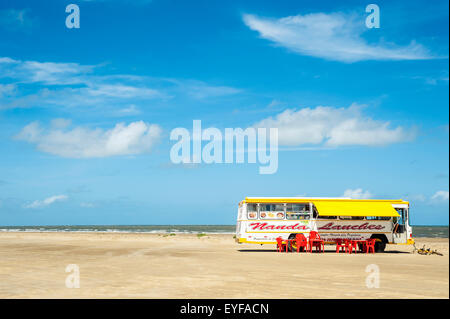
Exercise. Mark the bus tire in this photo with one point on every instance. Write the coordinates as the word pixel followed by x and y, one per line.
pixel 291 247
pixel 380 243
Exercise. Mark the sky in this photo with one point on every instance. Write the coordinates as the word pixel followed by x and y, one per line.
pixel 86 113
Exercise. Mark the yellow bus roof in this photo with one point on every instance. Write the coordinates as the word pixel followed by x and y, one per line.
pixel 339 206
pixel 276 200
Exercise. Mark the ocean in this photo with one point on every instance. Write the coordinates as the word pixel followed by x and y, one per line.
pixel 418 231
pixel 156 229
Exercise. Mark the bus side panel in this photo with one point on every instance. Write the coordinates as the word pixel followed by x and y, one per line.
pixel 266 231
pixel 330 230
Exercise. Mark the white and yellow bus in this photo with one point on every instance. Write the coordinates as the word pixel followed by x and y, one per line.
pixel 262 219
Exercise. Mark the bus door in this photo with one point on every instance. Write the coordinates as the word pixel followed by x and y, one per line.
pixel 240 217
pixel 314 215
pixel 399 234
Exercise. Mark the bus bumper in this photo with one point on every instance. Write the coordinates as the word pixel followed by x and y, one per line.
pixel 245 241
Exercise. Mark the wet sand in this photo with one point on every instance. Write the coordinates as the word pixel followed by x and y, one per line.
pixel 117 265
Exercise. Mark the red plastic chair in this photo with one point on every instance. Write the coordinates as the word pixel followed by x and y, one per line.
pixel 315 241
pixel 353 245
pixel 281 245
pixel 341 246
pixel 348 245
pixel 301 242
pixel 370 245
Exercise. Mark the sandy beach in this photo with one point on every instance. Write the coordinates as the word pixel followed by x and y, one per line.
pixel 118 265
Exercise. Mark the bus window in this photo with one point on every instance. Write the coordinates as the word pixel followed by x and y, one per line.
pixel 400 221
pixel 271 207
pixel 377 218
pixel 297 211
pixel 315 212
pixel 252 211
pixel 298 216
pixel 298 208
pixel 351 217
pixel 271 211
pixel 326 217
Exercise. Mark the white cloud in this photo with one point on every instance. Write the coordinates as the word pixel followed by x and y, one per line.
pixel 357 194
pixel 437 79
pixel 7 89
pixel 203 91
pixel 121 91
pixel 333 127
pixel 417 197
pixel 129 111
pixel 334 36
pixel 70 85
pixel 440 196
pixel 79 142
pixel 60 123
pixel 49 73
pixel 47 201
pixel 75 85
pixel 14 20
pixel 53 73
pixel 6 60
pixel 198 89
pixel 135 2
pixel 87 205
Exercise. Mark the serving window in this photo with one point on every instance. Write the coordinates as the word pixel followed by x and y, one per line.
pixel 271 211
pixel 252 211
pixel 297 211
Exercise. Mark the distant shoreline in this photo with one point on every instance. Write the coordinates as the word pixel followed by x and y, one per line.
pixel 154 225
pixel 418 231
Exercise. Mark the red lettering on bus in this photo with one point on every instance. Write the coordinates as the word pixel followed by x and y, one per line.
pixel 266 226
pixel 332 226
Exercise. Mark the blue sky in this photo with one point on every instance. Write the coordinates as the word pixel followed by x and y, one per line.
pixel 86 114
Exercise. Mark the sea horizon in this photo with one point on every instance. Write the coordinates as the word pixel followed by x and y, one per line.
pixel 434 231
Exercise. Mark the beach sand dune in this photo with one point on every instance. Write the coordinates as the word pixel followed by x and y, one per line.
pixel 118 265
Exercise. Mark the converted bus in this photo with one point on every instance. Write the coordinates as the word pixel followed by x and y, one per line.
pixel 261 220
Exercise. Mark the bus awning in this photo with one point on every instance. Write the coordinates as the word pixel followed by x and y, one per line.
pixel 355 208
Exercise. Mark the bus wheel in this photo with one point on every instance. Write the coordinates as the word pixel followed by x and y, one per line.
pixel 380 246
pixel 292 246
pixel 380 243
